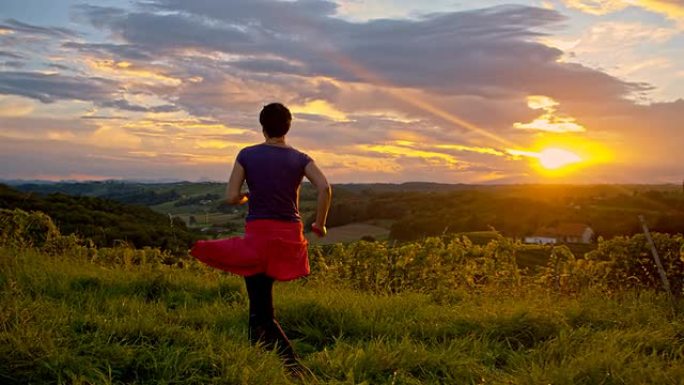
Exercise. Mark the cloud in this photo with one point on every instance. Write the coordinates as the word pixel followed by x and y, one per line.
pixel 111 147
pixel 276 14
pixel 597 7
pixel 407 151
pixel 130 73
pixel 639 51
pixel 122 51
pixel 246 53
pixel 63 159
pixel 551 120
pixel 50 87
pixel 442 72
pixel 162 32
pixel 115 137
pixel 24 43
pixel 457 53
pixel 123 104
pixel 435 96
pixel 15 26
pixel 11 55
pixel 56 129
pixel 270 66
pixel 673 9
pixel 319 108
pixel 11 106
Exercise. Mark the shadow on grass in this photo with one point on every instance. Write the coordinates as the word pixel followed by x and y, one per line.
pixel 157 288
pixel 319 327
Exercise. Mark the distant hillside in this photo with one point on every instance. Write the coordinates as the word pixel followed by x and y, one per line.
pixel 405 187
pixel 147 194
pixel 603 189
pixel 163 197
pixel 417 209
pixel 104 221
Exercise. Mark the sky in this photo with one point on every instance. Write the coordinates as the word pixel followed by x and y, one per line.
pixel 564 91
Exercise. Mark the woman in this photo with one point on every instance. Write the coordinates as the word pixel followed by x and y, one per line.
pixel 274 247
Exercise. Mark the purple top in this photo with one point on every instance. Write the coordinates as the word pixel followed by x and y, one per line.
pixel 273 175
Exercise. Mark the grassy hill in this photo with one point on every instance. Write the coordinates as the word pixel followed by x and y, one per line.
pixel 65 320
pixel 441 310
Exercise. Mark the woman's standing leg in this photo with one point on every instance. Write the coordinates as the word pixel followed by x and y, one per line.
pixel 263 328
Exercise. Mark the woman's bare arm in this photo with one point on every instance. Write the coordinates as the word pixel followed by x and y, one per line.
pixel 316 177
pixel 237 178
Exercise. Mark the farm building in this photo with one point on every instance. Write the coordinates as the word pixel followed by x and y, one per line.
pixel 562 233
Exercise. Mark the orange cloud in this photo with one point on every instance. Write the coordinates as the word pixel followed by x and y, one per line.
pixel 126 71
pixel 14 106
pixel 670 8
pixel 61 135
pixel 597 7
pixel 114 137
pixel 479 150
pixel 405 149
pixel 320 107
pixel 217 144
pixel 550 121
pixel 341 163
pixel 188 124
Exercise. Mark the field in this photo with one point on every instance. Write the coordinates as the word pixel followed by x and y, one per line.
pixel 349 233
pixel 66 320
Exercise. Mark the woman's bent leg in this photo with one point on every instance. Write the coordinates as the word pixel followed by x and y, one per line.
pixel 263 327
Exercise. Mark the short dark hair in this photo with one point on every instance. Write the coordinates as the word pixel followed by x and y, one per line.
pixel 275 120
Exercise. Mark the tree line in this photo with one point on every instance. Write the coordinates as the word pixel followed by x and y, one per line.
pixel 514 213
pixel 105 222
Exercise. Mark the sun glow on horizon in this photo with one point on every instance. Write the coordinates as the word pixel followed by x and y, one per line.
pixel 552 161
pixel 555 158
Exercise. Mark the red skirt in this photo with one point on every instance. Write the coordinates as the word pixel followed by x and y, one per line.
pixel 276 248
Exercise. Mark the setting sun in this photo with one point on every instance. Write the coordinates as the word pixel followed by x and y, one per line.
pixel 552 161
pixel 555 158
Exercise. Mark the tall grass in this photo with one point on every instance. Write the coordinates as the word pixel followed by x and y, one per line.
pixel 67 320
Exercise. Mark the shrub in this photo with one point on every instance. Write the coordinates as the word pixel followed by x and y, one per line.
pixel 631 263
pixel 22 229
pixel 427 265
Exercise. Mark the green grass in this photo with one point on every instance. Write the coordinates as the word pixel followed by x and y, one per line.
pixel 67 321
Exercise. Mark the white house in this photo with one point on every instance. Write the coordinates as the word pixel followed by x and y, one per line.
pixel 562 233
pixel 540 240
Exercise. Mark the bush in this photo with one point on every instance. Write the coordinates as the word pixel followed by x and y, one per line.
pixel 435 265
pixel 616 264
pixel 630 262
pixel 430 264
pixel 22 229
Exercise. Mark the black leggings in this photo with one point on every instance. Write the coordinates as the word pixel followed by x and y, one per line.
pixel 263 327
